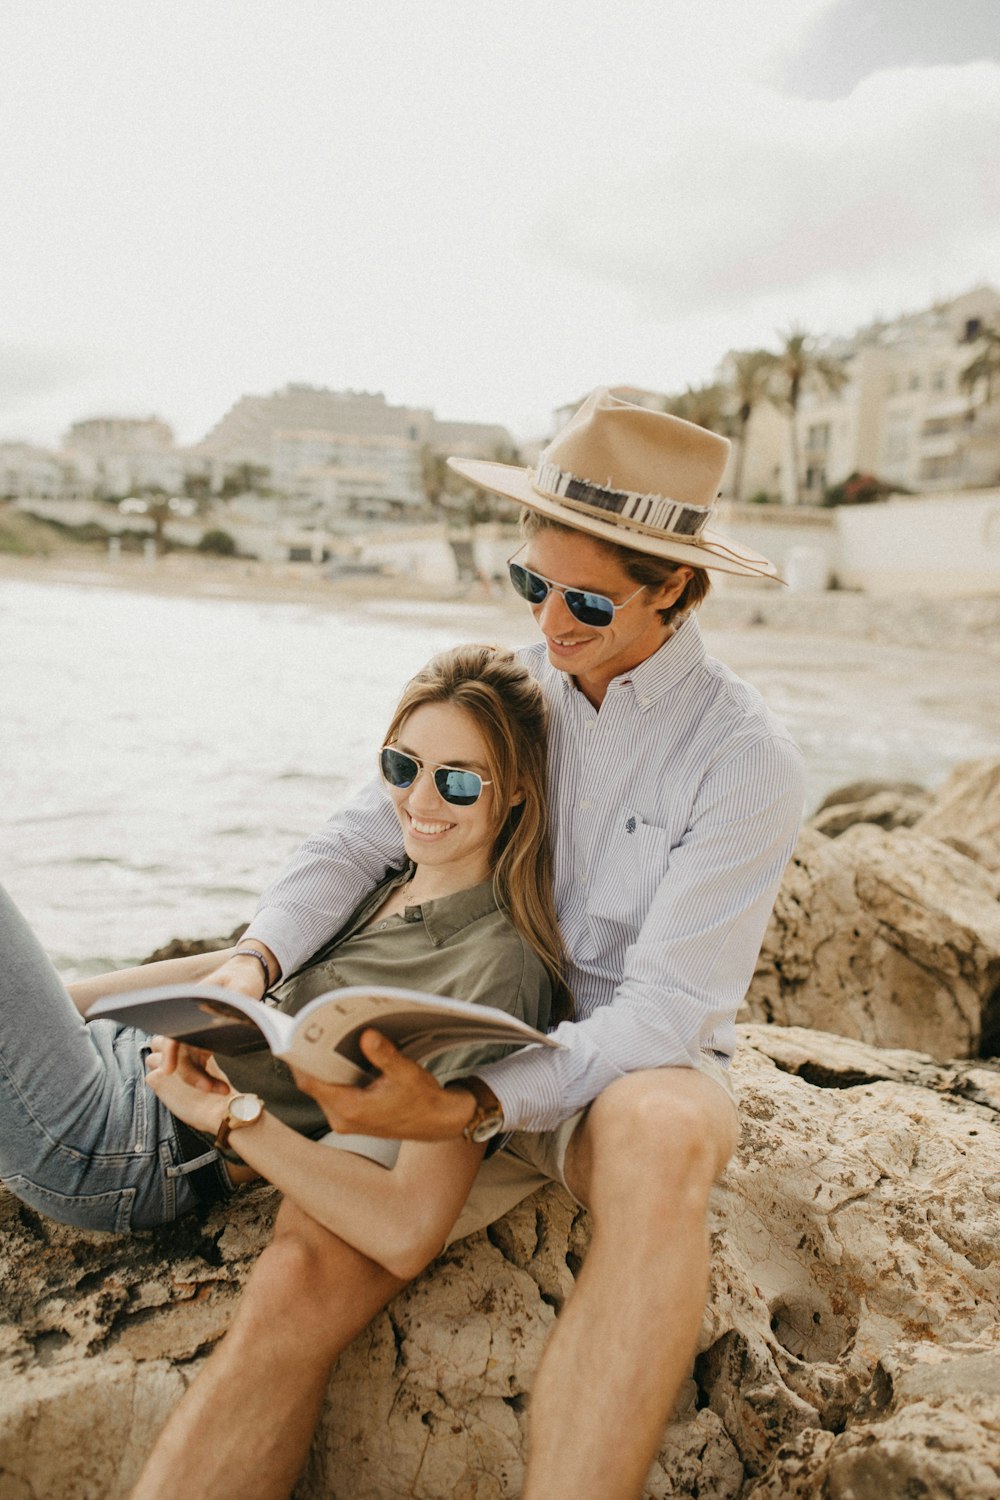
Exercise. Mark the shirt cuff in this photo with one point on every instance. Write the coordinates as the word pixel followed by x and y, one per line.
pixel 273 927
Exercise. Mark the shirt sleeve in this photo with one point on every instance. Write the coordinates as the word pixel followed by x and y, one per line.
pixel 327 878
pixel 691 963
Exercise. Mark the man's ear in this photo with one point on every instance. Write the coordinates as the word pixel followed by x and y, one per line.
pixel 673 587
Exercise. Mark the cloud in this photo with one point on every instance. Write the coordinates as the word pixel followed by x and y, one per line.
pixel 31 371
pixel 851 39
pixel 896 181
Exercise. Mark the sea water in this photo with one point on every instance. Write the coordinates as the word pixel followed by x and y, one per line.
pixel 162 756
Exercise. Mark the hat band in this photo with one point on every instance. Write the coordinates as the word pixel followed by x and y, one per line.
pixel 655 514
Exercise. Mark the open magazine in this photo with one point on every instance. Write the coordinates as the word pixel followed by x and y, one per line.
pixel 323 1039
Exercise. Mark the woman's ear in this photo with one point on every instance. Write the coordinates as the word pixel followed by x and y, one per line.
pixel 518 797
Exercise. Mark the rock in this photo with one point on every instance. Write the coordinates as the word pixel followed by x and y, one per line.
pixel 864 791
pixel 965 812
pixel 885 809
pixel 891 937
pixel 185 947
pixel 849 1346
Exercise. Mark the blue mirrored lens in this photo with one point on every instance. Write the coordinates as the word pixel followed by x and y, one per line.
pixel 589 609
pixel 528 584
pixel 397 768
pixel 461 788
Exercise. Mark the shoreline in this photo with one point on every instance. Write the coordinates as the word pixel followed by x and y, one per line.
pixel 932 623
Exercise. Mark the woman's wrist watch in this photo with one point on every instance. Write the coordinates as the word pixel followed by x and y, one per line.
pixel 488 1118
pixel 241 1110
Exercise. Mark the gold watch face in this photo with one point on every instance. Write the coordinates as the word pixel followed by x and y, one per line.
pixel 246 1108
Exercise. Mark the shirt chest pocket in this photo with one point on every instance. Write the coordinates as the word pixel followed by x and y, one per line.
pixel 626 870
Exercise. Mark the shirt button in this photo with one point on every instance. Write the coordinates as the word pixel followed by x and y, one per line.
pixel 585 804
pixel 645 702
pixel 583 879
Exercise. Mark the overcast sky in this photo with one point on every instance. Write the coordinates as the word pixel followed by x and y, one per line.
pixel 487 209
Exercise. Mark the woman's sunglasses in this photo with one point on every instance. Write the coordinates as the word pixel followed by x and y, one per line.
pixel 460 788
pixel 590 609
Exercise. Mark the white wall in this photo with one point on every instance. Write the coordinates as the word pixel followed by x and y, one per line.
pixel 948 544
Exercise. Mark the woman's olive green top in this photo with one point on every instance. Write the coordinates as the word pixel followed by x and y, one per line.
pixel 460 946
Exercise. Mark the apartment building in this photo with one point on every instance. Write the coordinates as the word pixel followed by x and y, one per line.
pixel 904 414
pixel 118 456
pixel 350 452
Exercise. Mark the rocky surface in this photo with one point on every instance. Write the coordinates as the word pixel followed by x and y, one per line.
pixel 887 924
pixel 849 1346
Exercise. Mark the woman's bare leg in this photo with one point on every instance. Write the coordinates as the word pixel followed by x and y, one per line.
pixel 245 1424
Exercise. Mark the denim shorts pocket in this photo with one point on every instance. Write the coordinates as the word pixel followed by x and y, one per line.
pixel 111 1211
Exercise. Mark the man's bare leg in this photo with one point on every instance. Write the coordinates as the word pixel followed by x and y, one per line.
pixel 644 1161
pixel 245 1423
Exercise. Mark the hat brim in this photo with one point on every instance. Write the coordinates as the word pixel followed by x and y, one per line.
pixel 713 550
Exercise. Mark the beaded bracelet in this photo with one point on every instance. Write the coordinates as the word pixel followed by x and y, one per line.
pixel 256 953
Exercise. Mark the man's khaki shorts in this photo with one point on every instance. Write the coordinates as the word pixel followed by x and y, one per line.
pixel 529 1161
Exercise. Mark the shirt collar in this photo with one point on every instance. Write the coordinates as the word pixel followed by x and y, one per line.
pixel 660 673
pixel 449 915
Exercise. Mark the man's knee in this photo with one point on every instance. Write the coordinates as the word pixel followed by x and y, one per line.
pixel 654 1133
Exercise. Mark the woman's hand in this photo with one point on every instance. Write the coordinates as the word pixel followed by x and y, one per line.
pixel 404 1103
pixel 241 972
pixel 194 1066
pixel 200 1107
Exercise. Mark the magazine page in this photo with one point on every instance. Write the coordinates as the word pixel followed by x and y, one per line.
pixel 201 1015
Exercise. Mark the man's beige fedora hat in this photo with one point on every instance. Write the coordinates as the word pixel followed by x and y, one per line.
pixel 631 476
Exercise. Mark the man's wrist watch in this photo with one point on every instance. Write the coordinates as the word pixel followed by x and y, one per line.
pixel 488 1118
pixel 241 1110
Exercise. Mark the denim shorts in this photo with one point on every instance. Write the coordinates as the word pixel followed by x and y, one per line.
pixel 82 1138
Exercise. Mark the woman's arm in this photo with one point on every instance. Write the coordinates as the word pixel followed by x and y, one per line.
pixel 193 969
pixel 398 1218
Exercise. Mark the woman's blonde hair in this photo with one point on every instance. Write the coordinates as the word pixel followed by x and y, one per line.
pixel 506 705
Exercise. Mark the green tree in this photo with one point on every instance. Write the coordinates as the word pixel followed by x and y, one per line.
pixel 705 405
pixel 218 542
pixel 799 363
pixel 986 365
pixel 159 512
pixel 750 384
pixel 239 478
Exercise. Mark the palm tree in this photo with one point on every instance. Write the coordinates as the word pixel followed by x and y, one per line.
pixel 986 365
pixel 798 364
pixel 752 375
pixel 705 405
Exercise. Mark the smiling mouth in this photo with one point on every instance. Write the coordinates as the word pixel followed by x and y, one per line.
pixel 420 826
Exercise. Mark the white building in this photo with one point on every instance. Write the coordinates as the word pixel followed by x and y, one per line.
pixel 349 451
pixel 904 414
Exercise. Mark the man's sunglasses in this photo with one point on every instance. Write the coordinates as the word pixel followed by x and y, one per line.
pixel 460 788
pixel 590 609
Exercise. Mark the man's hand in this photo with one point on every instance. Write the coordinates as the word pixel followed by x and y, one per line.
pixel 404 1103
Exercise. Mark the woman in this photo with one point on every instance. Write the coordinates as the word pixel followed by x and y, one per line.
pixel 83 1139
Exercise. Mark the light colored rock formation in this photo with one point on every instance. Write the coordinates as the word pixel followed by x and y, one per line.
pixel 892 937
pixel 887 809
pixel 849 1346
pixel 965 812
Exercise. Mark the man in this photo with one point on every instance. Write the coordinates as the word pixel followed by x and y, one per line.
pixel 675 803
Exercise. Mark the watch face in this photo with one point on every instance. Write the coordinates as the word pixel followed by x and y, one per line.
pixel 245 1107
pixel 488 1127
